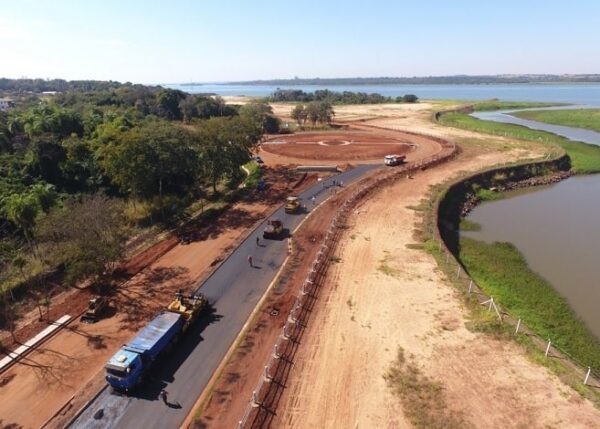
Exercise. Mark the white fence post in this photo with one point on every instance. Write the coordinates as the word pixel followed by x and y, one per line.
pixel 518 326
pixel 587 376
pixel 491 303
pixel 548 347
pixel 276 354
pixel 266 374
pixel 458 273
pixel 254 399
pixel 470 286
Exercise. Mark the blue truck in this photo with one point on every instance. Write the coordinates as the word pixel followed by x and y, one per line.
pixel 127 368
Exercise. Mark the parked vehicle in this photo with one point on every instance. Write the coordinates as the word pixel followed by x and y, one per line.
pixel 391 160
pixel 273 229
pixel 128 367
pixel 96 307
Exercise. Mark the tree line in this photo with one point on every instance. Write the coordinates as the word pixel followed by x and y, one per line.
pixel 72 165
pixel 428 80
pixel 332 97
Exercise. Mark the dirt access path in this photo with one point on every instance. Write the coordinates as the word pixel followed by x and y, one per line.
pixel 68 369
pixel 383 296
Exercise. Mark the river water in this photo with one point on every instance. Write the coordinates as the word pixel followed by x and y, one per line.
pixel 556 228
pixel 578 93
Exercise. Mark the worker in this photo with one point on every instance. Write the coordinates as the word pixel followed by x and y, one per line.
pixel 163 396
pixel 257 241
pixel 314 200
pixel 250 261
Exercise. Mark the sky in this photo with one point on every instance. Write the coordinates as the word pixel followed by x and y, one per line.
pixel 177 41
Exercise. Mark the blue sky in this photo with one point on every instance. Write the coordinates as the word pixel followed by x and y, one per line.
pixel 207 41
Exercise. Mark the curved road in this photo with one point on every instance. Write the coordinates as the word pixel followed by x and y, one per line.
pixel 233 291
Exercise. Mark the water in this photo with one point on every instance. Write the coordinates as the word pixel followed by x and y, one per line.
pixel 576 134
pixel 588 94
pixel 556 229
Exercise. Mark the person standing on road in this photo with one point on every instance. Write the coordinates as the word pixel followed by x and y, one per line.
pixel 314 200
pixel 163 396
pixel 257 242
pixel 250 261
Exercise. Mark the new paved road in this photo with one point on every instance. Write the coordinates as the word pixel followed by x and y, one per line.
pixel 233 292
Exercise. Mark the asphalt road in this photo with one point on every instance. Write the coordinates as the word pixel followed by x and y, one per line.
pixel 233 291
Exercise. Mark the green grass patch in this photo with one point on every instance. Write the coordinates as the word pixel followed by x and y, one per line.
pixel 468 225
pixel 502 272
pixel 255 174
pixel 578 118
pixel 489 105
pixel 488 195
pixel 585 158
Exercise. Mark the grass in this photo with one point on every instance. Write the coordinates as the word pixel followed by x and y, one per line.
pixel 255 174
pixel 579 118
pixel 502 272
pixel 489 105
pixel 585 158
pixel 423 399
pixel 467 225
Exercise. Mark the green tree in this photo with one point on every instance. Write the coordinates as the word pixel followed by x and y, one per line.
pixel 224 144
pixel 299 114
pixel 262 113
pixel 90 233
pixel 22 210
pixel 147 160
pixel 168 103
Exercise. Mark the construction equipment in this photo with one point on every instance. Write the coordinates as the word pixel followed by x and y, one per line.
pixel 127 368
pixel 273 229
pixel 391 160
pixel 292 205
pixel 96 306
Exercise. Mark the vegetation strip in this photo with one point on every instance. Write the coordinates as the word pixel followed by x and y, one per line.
pixel 585 158
pixel 588 119
pixel 502 272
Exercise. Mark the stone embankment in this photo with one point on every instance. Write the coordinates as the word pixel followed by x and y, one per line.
pixel 472 200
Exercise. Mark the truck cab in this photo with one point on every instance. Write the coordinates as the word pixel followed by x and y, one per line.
pixel 124 370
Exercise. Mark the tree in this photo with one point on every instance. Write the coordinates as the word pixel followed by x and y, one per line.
pixel 168 103
pixel 299 114
pixel 224 144
pixel 326 112
pixel 145 161
pixel 90 234
pixel 21 210
pixel 313 112
pixel 261 112
pixel 410 98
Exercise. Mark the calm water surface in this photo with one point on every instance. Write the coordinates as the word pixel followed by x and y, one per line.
pixel 588 94
pixel 557 228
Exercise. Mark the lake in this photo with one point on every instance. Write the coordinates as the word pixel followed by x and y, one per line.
pixel 555 227
pixel 578 93
pixel 557 230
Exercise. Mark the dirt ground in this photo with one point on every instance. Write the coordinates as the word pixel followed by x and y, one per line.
pixel 239 377
pixel 67 369
pixel 383 296
pixel 348 146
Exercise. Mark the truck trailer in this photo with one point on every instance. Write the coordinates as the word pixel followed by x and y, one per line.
pixel 126 369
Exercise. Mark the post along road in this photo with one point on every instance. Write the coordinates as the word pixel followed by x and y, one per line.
pixel 233 291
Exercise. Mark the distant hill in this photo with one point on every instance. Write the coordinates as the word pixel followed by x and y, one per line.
pixel 458 79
